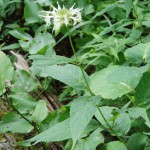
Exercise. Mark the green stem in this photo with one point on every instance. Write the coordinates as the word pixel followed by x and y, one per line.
pixel 91 93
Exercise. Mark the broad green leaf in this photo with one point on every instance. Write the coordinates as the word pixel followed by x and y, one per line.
pixel 58 132
pixel 40 112
pixel 68 74
pixel 24 82
pixel 142 94
pixel 91 142
pixel 23 102
pixel 115 145
pixel 41 61
pixel 122 124
pixel 6 71
pixel 137 141
pixel 128 7
pixel 115 81
pixel 136 112
pixel 139 53
pixel 31 11
pixel 81 112
pixel 12 122
pixel 20 34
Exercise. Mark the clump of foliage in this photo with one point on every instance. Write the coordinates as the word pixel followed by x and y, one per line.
pixel 81 87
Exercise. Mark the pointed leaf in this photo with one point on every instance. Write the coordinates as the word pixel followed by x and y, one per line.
pixel 68 74
pixel 128 7
pixel 58 132
pixel 81 112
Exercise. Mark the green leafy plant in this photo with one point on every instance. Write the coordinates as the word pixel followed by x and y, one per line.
pixel 75 77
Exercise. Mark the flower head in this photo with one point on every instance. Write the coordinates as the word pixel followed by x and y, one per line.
pixel 61 16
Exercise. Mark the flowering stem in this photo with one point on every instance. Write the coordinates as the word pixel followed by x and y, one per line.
pixel 91 93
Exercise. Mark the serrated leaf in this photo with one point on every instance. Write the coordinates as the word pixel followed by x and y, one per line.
pixel 6 71
pixel 115 145
pixel 115 81
pixel 14 123
pixel 40 112
pixel 81 112
pixel 68 74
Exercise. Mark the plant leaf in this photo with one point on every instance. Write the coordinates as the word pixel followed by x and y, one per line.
pixel 40 112
pixel 136 112
pixel 23 102
pixel 134 145
pixel 14 123
pixel 116 79
pixel 91 142
pixel 138 53
pixel 6 71
pixel 68 74
pixel 122 124
pixel 23 82
pixel 81 112
pixel 58 132
pixel 115 145
pixel 142 94
pixel 128 7
pixel 31 11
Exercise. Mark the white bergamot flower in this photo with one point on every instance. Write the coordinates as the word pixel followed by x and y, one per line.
pixel 61 16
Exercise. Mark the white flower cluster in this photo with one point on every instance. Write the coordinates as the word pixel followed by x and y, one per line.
pixel 61 16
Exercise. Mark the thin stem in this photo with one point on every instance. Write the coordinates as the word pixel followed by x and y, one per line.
pixel 80 65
